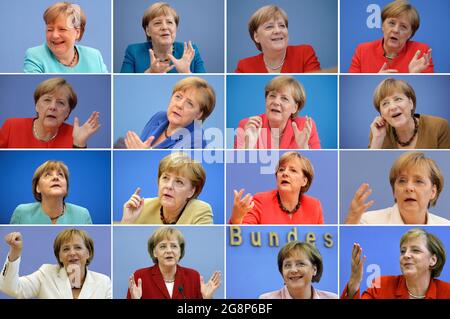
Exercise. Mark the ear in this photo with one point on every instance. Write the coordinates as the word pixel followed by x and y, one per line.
pixel 191 192
pixel 304 181
pixel 78 30
pixel 433 192
pixel 37 189
pixel 255 36
pixel 199 116
pixel 147 31
pixel 433 261
pixel 315 270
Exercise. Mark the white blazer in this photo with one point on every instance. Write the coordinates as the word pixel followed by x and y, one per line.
pixel 391 215
pixel 51 282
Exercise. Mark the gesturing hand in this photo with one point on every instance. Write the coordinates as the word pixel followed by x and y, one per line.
pixel 211 286
pixel 156 65
pixel 302 137
pixel 378 129
pixel 15 242
pixel 357 270
pixel 252 131
pixel 418 65
pixel 357 206
pixel 82 133
pixel 132 140
pixel 183 65
pixel 133 207
pixel 135 291
pixel 384 69
pixel 241 206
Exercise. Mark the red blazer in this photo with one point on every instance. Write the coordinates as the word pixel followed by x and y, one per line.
pixel 18 133
pixel 299 59
pixel 187 284
pixel 369 57
pixel 394 287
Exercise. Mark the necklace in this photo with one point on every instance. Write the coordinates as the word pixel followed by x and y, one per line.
pixel 284 209
pixel 416 128
pixel 165 133
pixel 62 213
pixel 165 221
pixel 169 281
pixel 415 296
pixel 72 63
pixel 274 67
pixel 36 135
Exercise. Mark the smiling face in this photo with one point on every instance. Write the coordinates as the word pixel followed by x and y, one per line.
pixel 290 177
pixel 397 109
pixel 61 36
pixel 162 30
pixel 174 190
pixel 53 108
pixel 74 253
pixel 396 32
pixel 184 108
pixel 280 105
pixel 272 35
pixel 168 251
pixel 415 259
pixel 298 271
pixel 52 183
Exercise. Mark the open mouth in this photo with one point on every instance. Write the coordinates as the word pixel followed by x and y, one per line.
pixel 410 200
pixel 51 117
pixel 285 183
pixel 393 38
pixel 396 115
pixel 167 196
pixel 55 186
pixel 277 39
pixel 176 114
pixel 275 111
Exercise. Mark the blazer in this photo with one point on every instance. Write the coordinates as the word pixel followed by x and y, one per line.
pixel 369 57
pixel 186 286
pixel 51 282
pixel 433 132
pixel 299 59
pixel 137 58
pixel 283 293
pixel 394 287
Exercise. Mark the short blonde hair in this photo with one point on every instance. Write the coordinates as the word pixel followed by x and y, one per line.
pixel 74 13
pixel 181 164
pixel 307 168
pixel 397 8
pixel 418 159
pixel 204 93
pixel 52 85
pixel 293 248
pixel 434 246
pixel 262 15
pixel 66 235
pixel 42 169
pixel 390 86
pixel 296 88
pixel 155 10
pixel 164 233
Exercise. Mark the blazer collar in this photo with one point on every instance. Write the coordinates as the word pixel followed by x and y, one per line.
pixel 286 139
pixel 65 289
pixel 158 279
pixel 401 291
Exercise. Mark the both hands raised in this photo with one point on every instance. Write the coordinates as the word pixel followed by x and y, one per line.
pixel 182 65
pixel 416 65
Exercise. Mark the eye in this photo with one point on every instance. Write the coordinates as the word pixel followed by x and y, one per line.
pixel 285 99
pixel 397 99
pixel 268 27
pixel 174 246
pixel 179 182
pixel 391 23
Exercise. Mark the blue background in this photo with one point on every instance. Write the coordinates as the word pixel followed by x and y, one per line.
pixel 433 30
pixel 38 247
pixel 201 21
pixel 93 93
pixel 137 98
pixel 245 98
pixel 356 103
pixel 312 22
pixel 23 27
pixel 248 176
pixel 204 252
pixel 381 246
pixel 252 271
pixel 373 167
pixel 134 169
pixel 89 180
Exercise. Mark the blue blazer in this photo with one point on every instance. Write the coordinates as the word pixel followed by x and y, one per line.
pixel 137 58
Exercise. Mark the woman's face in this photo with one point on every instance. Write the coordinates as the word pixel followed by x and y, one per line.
pixel 162 30
pixel 74 254
pixel 290 177
pixel 61 36
pixel 396 109
pixel 53 108
pixel 184 108
pixel 413 190
pixel 396 31
pixel 298 271
pixel 168 251
pixel 52 183
pixel 174 191
pixel 415 258
pixel 280 105
pixel 272 35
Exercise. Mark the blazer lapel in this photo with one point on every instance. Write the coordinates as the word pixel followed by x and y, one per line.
pixel 158 281
pixel 179 290
pixel 62 284
pixel 88 286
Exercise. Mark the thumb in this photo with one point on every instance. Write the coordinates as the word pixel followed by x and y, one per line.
pixel 152 56
pixel 172 58
pixel 139 283
pixel 416 56
pixel 137 191
pixel 149 141
pixel 202 281
pixel 295 128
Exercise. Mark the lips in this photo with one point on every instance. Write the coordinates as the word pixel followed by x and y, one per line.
pixel 285 183
pixel 410 200
pixel 277 39
pixel 167 196
pixel 275 111
pixel 176 114
pixel 55 186
pixel 396 115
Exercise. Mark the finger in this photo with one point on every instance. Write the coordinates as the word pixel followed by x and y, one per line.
pixel 368 205
pixel 202 281
pixel 137 191
pixel 170 67
pixel 152 56
pixel 361 190
pixel 76 123
pixel 191 47
pixel 365 195
pixel 295 129
pixel 416 56
pixel 149 141
pixel 139 283
pixel 184 48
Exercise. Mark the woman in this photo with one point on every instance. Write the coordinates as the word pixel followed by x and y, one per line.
pixel 279 127
pixel 395 52
pixel 50 186
pixel 300 264
pixel 65 25
pixel 69 279
pixel 268 28
pixel 160 53
pixel 167 279
pixel 288 204
pixel 422 258
pixel 416 183
pixel 54 101
pixel 193 100
pixel 180 181
pixel 398 126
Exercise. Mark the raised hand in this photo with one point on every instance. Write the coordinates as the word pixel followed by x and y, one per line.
pixel 15 242
pixel 211 286
pixel 156 65
pixel 378 129
pixel 135 291
pixel 418 65
pixel 183 65
pixel 82 133
pixel 358 205
pixel 302 137
pixel 384 69
pixel 252 131
pixel 241 206
pixel 133 207
pixel 357 270
pixel 132 140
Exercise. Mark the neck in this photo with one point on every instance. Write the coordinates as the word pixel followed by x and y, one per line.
pixel 418 287
pixel 171 215
pixel 162 51
pixel 69 58
pixel 414 217
pixel 390 52
pixel 405 132
pixel 52 206
pixel 274 60
pixel 171 129
pixel 168 273
pixel 42 133
pixel 301 293
pixel 289 200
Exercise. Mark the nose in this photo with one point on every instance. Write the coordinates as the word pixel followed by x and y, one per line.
pixel 169 183
pixel 395 28
pixel 410 186
pixel 54 33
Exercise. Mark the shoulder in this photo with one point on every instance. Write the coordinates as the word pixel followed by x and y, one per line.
pixel 49 269
pixel 151 204
pixel 35 51
pixel 250 60
pixel 83 50
pixel 276 294
pixel 380 216
pixel 323 294
pixel 197 204
pixel 414 45
pixel 142 271
pixel 442 284
pixel 266 195
pixel 77 209
pixel 368 45
pixel 189 272
pixel 435 219
pixel 26 208
pixel 309 200
pixel 138 47
pixel 301 48
pixel 99 276
pixel 158 116
pixel 433 120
